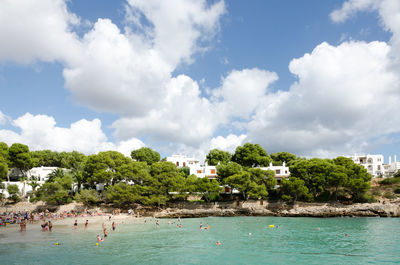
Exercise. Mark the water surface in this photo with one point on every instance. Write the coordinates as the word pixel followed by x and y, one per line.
pixel 246 240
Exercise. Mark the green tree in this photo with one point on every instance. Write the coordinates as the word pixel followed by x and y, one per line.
pixel 20 157
pixel 209 188
pixel 294 189
pixel 14 193
pixel 166 178
pixel 87 197
pixel 251 155
pixel 280 157
pixel 241 182
pixel 216 156
pixel 56 173
pixel 4 152
pixel 3 168
pixel 263 177
pixel 53 193
pixel 337 178
pixel 146 154
pixel 226 170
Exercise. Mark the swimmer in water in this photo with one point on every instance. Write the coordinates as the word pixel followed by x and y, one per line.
pixel 105 232
pixel 86 223
pixel 76 224
pixel 114 226
pixel 201 225
pixel 100 239
pixel 218 243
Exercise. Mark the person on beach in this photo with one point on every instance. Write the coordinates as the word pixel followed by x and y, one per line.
pixel 114 226
pixel 86 224
pixel 22 225
pixel 50 225
pixel 76 224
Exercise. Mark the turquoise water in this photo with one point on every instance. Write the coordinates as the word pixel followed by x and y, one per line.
pixel 292 241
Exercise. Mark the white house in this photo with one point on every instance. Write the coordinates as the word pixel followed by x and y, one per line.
pixel 40 173
pixel 194 165
pixel 280 171
pixel 373 163
pixel 183 161
pixel 391 167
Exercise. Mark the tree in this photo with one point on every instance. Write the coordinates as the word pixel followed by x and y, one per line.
pixel 263 177
pixel 251 155
pixel 105 167
pixel 56 173
pixel 216 156
pixel 166 178
pixel 53 193
pixel 87 197
pixel 226 170
pixel 145 154
pixel 294 189
pixel 14 193
pixel 279 158
pixel 3 168
pixel 4 151
pixel 337 178
pixel 20 157
pixel 209 188
pixel 241 182
pixel 77 174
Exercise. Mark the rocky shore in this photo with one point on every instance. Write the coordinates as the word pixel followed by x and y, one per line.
pixel 238 208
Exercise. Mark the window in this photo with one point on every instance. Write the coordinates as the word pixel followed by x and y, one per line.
pixel 177 164
pixel 278 171
pixel 212 171
pixel 198 171
pixel 184 164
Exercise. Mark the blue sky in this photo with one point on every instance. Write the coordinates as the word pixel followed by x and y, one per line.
pixel 215 77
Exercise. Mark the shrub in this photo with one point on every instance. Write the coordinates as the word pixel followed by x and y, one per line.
pixel 13 190
pixel 88 197
pixel 397 191
pixel 390 181
pixel 389 195
pixel 376 193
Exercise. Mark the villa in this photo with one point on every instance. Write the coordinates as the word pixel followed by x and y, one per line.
pixel 373 163
pixel 201 171
pixel 280 171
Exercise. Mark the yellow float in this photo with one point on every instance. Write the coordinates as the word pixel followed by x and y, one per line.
pixel 271 226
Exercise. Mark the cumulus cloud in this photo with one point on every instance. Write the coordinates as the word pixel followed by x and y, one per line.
pixel 37 30
pixel 228 143
pixel 343 98
pixel 40 132
pixel 3 118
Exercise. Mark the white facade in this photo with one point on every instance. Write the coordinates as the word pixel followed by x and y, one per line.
pixel 373 163
pixel 183 161
pixel 280 171
pixel 204 171
pixel 391 167
pixel 40 173
pixel 194 165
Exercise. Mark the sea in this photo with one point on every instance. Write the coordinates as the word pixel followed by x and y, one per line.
pixel 244 240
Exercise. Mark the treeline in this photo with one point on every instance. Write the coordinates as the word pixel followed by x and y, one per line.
pixel 143 178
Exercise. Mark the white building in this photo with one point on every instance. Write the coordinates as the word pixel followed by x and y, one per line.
pixel 391 167
pixel 373 163
pixel 194 165
pixel 183 161
pixel 280 171
pixel 40 173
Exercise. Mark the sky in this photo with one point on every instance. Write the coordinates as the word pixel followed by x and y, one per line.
pixel 314 78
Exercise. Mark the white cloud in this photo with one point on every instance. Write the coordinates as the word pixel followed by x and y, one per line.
pixel 350 8
pixel 228 143
pixel 3 118
pixel 345 96
pixel 37 30
pixel 40 132
pixel 242 91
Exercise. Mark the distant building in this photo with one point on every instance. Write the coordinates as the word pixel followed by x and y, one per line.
pixel 373 163
pixel 39 173
pixel 280 171
pixel 392 167
pixel 194 165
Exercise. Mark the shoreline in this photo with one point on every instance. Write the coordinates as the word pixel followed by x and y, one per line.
pixel 231 208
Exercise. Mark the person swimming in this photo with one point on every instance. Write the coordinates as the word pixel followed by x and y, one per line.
pixel 86 223
pixel 105 232
pixel 218 243
pixel 76 224
pixel 99 238
pixel 114 226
